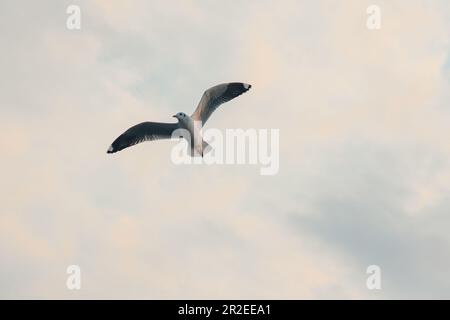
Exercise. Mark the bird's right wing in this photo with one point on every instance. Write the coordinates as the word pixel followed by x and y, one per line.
pixel 145 131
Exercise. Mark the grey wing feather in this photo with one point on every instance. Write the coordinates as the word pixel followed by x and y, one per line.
pixel 145 131
pixel 215 96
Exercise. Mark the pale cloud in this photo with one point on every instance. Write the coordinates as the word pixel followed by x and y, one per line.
pixel 364 175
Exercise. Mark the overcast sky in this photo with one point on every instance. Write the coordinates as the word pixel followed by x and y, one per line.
pixel 364 150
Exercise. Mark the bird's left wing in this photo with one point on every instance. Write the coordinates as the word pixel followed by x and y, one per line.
pixel 215 96
pixel 145 131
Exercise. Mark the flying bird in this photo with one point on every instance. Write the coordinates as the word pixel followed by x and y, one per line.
pixel 210 101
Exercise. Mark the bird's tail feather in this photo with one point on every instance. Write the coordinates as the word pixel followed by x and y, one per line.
pixel 206 148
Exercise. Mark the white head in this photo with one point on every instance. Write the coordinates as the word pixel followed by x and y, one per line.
pixel 182 117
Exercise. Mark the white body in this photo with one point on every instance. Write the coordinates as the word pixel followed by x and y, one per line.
pixel 195 130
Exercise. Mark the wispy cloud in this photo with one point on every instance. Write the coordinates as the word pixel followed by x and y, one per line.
pixel 364 171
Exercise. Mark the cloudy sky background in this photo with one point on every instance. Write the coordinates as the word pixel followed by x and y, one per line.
pixel 364 150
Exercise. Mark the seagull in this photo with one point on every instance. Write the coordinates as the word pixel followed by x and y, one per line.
pixel 210 101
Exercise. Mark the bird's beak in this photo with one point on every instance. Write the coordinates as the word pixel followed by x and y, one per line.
pixel 174 116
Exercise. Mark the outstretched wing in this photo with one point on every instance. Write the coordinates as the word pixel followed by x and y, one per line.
pixel 145 131
pixel 215 96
